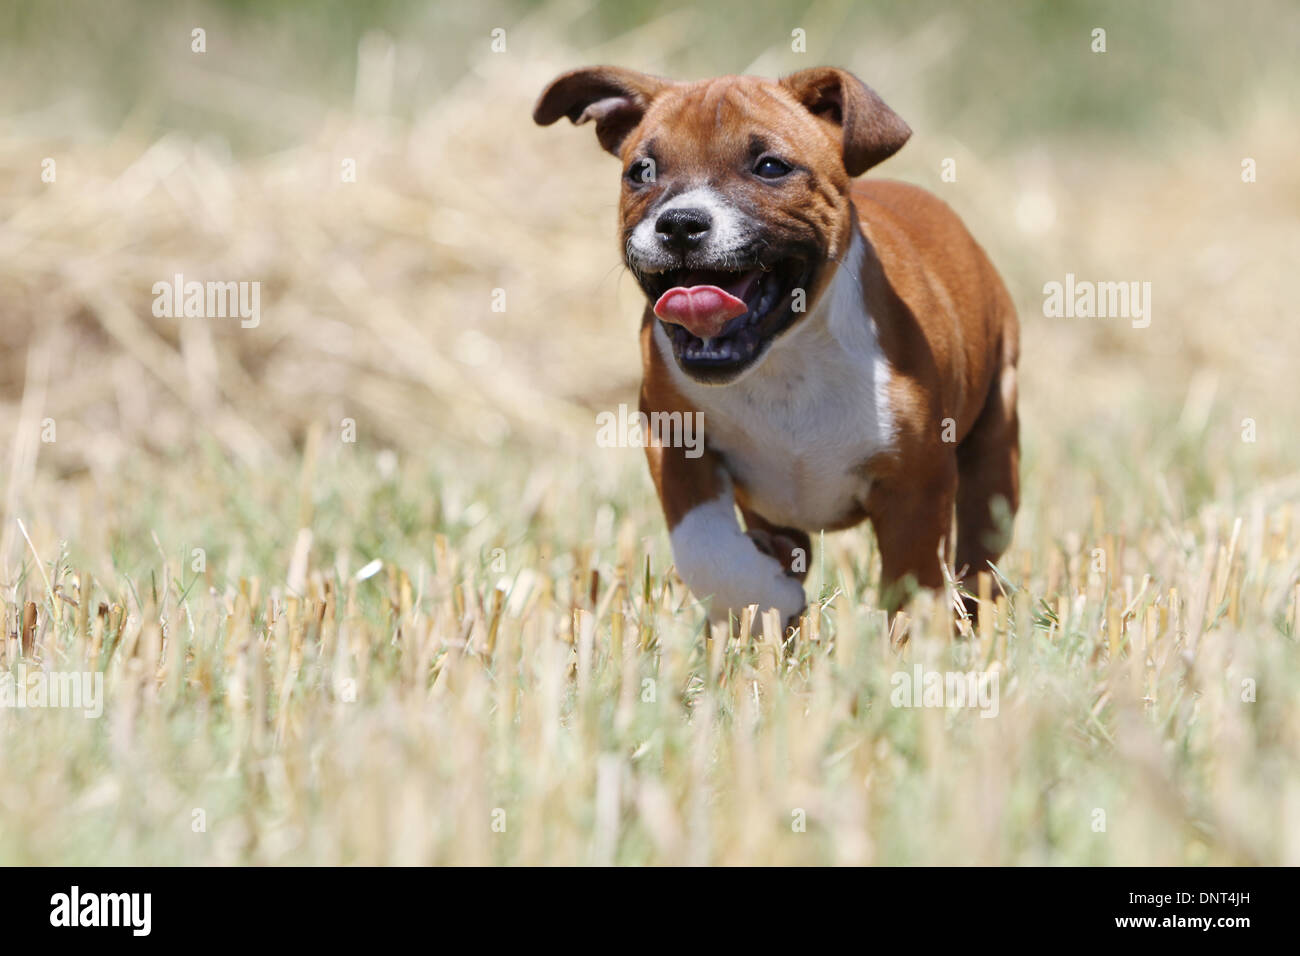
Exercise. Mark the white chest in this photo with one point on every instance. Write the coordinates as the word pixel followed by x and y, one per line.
pixel 796 431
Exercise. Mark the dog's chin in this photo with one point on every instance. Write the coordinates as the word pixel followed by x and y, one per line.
pixel 776 298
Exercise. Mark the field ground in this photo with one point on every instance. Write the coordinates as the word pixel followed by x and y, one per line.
pixel 458 637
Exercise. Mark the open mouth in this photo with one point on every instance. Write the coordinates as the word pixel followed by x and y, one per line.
pixel 720 321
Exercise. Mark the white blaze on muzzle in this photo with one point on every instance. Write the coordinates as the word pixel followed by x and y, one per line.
pixel 726 235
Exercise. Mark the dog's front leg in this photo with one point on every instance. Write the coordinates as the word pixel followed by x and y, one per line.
pixel 719 562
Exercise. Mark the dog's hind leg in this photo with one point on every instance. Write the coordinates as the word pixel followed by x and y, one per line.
pixel 914 532
pixel 988 487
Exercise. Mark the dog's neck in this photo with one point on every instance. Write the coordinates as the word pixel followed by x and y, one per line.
pixel 836 338
pixel 800 425
pixel 836 323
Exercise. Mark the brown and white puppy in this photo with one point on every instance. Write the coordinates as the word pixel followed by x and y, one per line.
pixel 850 345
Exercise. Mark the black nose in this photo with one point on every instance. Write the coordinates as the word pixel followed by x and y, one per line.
pixel 683 229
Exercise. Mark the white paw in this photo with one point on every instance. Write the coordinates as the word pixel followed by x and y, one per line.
pixel 777 590
pixel 722 565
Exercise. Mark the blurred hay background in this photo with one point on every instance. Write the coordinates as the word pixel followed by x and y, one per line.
pixel 377 295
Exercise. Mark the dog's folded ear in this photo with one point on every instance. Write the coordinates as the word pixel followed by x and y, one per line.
pixel 615 98
pixel 868 129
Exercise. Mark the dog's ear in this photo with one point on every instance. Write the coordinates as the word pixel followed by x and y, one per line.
pixel 615 98
pixel 868 129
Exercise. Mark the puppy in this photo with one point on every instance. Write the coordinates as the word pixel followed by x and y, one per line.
pixel 851 347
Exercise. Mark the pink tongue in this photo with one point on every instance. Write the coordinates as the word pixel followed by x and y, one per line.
pixel 701 309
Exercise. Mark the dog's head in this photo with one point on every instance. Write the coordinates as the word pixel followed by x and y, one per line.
pixel 735 199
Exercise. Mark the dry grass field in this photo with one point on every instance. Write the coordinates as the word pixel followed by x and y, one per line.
pixel 363 588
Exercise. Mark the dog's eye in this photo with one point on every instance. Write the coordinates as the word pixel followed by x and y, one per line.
pixel 769 167
pixel 641 171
